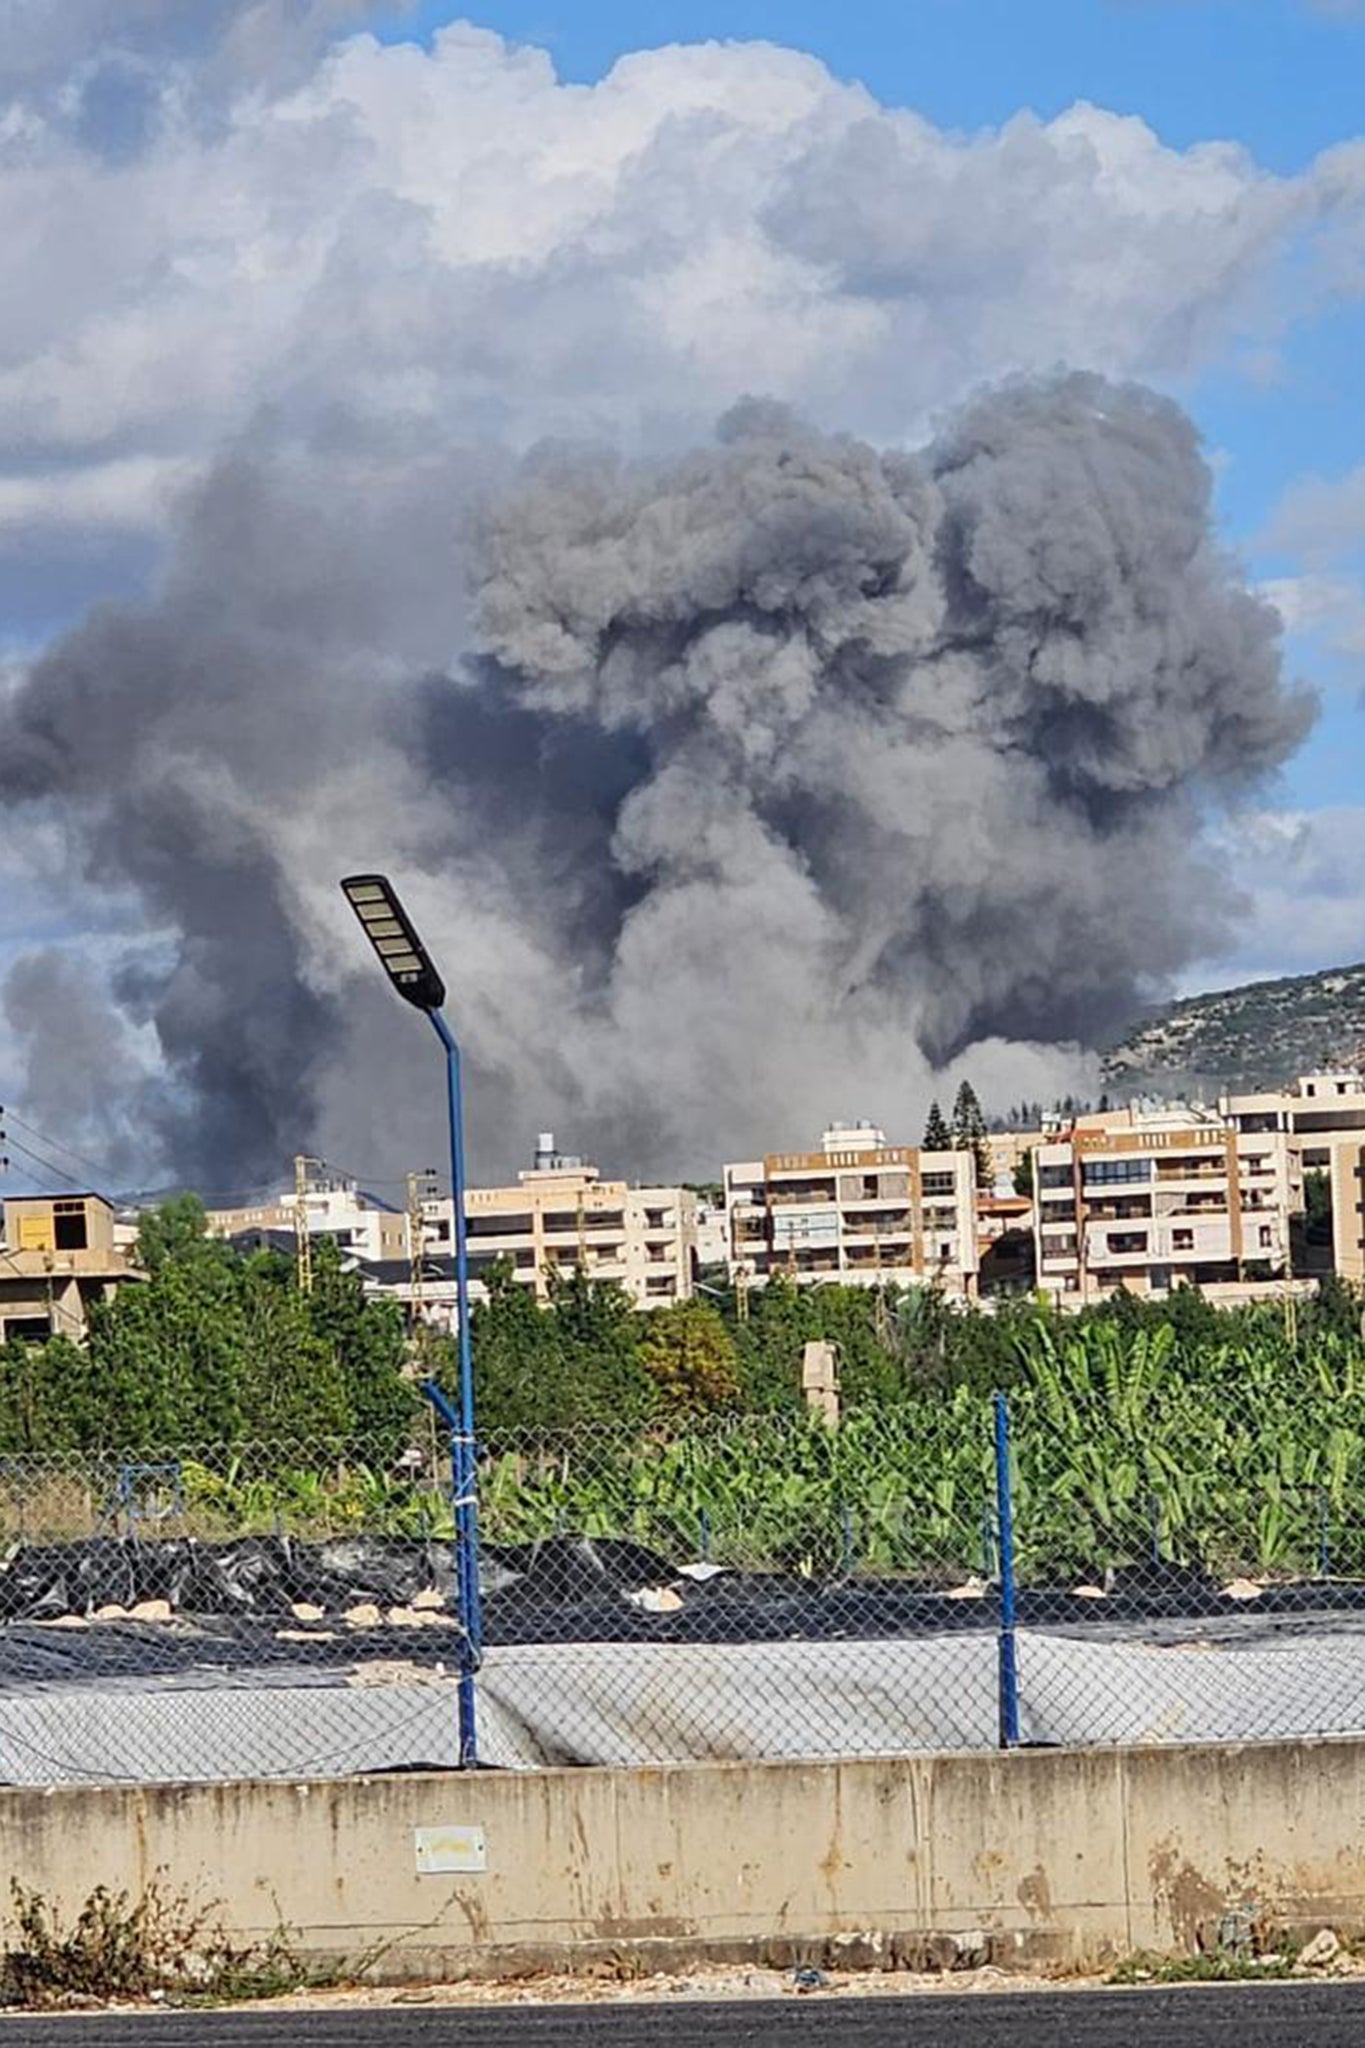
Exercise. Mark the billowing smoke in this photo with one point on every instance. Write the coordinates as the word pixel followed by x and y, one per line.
pixel 785 779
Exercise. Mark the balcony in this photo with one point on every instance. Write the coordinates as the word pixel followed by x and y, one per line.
pixel 1123 1209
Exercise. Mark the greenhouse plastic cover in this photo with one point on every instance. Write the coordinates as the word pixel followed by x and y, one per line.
pixel 586 1664
pixel 633 1703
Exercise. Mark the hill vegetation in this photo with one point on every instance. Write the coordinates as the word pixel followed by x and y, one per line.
pixel 1240 1039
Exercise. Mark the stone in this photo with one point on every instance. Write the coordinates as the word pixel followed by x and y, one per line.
pixel 656 1600
pixel 1323 1949
pixel 971 1948
pixel 364 1615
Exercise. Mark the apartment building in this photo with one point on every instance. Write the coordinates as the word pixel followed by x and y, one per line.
pixel 857 1210
pixel 58 1255
pixel 336 1207
pixel 1179 1197
pixel 562 1214
pixel 1322 1117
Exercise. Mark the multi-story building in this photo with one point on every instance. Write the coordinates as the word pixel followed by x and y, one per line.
pixel 58 1255
pixel 1322 1117
pixel 335 1206
pixel 858 1210
pixel 562 1215
pixel 1180 1197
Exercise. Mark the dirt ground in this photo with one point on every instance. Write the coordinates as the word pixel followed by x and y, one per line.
pixel 670 1990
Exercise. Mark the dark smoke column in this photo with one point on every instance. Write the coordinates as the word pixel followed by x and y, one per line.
pixel 950 726
pixel 768 780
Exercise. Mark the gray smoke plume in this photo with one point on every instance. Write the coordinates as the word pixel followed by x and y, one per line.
pixel 737 790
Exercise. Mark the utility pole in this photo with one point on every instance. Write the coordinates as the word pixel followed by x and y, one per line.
pixel 420 1185
pixel 303 1241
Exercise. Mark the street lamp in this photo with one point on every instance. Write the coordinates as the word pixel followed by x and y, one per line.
pixel 408 965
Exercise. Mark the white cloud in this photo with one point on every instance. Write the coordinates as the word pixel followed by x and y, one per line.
pixel 1304 875
pixel 452 235
pixel 1327 610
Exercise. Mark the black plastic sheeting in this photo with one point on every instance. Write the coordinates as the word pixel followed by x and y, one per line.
pixel 242 1594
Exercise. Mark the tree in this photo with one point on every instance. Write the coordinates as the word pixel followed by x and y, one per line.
pixel 937 1137
pixel 969 1132
pixel 291 1385
pixel 1023 1174
pixel 690 1355
pixel 518 1359
pixel 45 1397
pixel 572 1362
pixel 365 1340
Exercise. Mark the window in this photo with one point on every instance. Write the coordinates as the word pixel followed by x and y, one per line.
pixel 1182 1240
pixel 1055 1177
pixel 1264 1237
pixel 497 1226
pixel 1106 1172
pixel 1121 1241
pixel 70 1232
pixel 28 1329
pixel 939 1184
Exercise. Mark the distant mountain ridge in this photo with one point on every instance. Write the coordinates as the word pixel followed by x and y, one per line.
pixel 1259 1035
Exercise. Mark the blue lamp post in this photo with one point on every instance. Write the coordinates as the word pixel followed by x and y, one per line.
pixel 409 967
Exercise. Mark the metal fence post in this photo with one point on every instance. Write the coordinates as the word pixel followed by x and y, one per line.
pixel 1004 1508
pixel 463 1481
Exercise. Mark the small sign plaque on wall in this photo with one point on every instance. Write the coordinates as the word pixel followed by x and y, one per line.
pixel 441 1850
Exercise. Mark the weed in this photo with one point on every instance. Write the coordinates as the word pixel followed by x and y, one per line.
pixel 1207 1969
pixel 159 1945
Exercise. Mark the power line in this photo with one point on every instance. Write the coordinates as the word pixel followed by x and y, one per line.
pixel 54 1172
pixel 56 1144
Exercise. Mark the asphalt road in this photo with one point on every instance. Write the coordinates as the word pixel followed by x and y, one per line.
pixel 1257 2016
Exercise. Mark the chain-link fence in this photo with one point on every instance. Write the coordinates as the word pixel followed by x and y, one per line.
pixel 756 1588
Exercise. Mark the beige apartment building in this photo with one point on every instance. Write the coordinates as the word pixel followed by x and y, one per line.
pixel 58 1255
pixel 1178 1198
pixel 562 1215
pixel 1322 1118
pixel 858 1210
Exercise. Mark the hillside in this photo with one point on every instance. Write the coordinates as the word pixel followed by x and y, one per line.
pixel 1257 1036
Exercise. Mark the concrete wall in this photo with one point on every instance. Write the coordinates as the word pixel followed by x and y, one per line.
pixel 1046 1856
